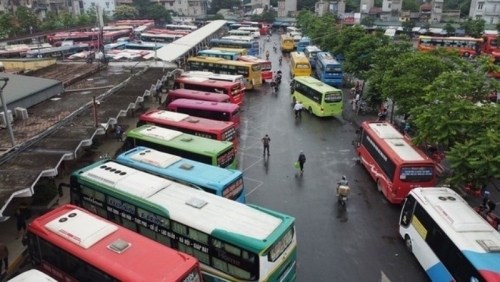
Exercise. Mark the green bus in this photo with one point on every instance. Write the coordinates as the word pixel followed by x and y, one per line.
pixel 318 98
pixel 233 241
pixel 192 147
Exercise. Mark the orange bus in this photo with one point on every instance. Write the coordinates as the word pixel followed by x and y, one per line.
pixel 208 128
pixel 466 46
pixel 72 244
pixel 210 110
pixel 233 89
pixel 393 162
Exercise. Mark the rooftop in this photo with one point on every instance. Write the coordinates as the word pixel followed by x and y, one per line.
pixel 20 86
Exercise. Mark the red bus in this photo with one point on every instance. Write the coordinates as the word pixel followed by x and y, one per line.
pixel 134 22
pixel 466 46
pixel 71 244
pixel 210 110
pixel 263 28
pixel 393 162
pixel 166 31
pixel 88 37
pixel 112 36
pixel 208 128
pixel 196 95
pixel 233 89
pixel 265 66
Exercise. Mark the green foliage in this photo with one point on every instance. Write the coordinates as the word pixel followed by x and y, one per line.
pixel 7 25
pixel 352 6
pixel 474 28
pixel 223 4
pixel 408 26
pixel 51 22
pixel 83 19
pixel 305 5
pixel 411 5
pixel 359 56
pixel 125 12
pixel 268 16
pixel 368 21
pixel 215 17
pixel 450 29
pixel 67 19
pixel 92 14
pixel 151 10
pixel 26 19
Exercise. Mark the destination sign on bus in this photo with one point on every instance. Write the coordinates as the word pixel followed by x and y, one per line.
pixel 281 246
pixel 233 189
pixel 416 173
pixel 226 158
pixel 229 134
pixel 192 277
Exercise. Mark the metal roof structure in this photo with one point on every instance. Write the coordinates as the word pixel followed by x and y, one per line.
pixel 181 46
pixel 20 87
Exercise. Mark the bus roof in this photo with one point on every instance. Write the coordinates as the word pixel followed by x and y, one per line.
pixel 316 84
pixel 181 140
pixel 204 104
pixel 327 58
pixel 32 275
pixel 285 36
pixel 187 120
pixel 313 48
pixel 250 226
pixel 205 80
pixel 235 50
pixel 396 141
pixel 473 236
pixel 211 74
pixel 451 38
pixel 248 58
pixel 93 239
pixel 162 35
pixel 221 60
pixel 179 168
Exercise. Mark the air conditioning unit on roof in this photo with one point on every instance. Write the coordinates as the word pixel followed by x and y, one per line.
pixel 21 113
pixel 3 120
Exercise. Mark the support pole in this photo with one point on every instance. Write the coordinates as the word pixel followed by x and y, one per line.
pixel 6 111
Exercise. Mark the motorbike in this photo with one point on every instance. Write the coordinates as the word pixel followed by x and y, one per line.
pixel 278 79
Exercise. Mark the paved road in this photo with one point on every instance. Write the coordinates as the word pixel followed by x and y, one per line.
pixel 360 243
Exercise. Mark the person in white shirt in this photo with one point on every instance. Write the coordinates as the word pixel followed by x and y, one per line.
pixel 298 109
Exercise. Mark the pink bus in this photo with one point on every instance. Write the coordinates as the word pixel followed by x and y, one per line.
pixel 205 109
pixel 196 95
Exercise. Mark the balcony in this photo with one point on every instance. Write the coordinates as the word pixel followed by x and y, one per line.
pixel 491 12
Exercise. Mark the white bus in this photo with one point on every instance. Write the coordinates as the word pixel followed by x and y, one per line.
pixel 239 38
pixel 292 29
pixel 450 240
pixel 254 30
pixel 159 38
pixel 215 76
pixel 32 275
pixel 182 27
pixel 238 32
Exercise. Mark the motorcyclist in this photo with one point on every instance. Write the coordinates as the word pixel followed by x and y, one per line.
pixel 267 54
pixel 343 181
pixel 281 59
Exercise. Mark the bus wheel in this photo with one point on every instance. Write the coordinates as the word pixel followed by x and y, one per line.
pixel 310 110
pixel 408 244
pixel 379 186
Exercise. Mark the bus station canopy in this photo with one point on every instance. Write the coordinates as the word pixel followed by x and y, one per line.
pixel 181 46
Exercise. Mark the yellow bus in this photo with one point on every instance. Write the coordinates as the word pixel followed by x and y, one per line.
pixel 286 43
pixel 241 52
pixel 299 64
pixel 251 72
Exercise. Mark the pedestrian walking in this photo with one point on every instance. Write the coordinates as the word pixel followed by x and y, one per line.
pixel 118 133
pixel 265 142
pixel 302 161
pixel 298 109
pixel 21 223
pixel 4 256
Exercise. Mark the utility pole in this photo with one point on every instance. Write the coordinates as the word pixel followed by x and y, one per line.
pixel 6 112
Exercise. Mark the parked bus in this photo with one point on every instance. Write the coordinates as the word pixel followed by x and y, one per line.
pixel 240 52
pixel 239 32
pixel 240 38
pixel 57 52
pixel 233 241
pixel 111 28
pixel 303 43
pixel 89 38
pixel 251 47
pixel 110 37
pixel 449 239
pixel 466 46
pixel 318 98
pixel 219 54
pixel 143 46
pixel 329 70
pixel 72 244
pixel 227 183
pixel 32 275
pixel 250 71
pixel 196 95
pixel 393 162
pixel 196 148
pixel 142 29
pixel 293 29
pixel 299 65
pixel 210 110
pixel 159 38
pixel 219 77
pixel 265 66
pixel 286 43
pixel 115 46
pixel 204 84
pixel 254 31
pixel 189 28
pixel 208 128
pixel 311 52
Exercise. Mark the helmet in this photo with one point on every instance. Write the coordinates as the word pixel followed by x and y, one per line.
pixel 344 178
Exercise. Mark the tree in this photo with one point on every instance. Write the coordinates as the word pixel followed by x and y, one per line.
pixel 449 28
pixel 92 16
pixel 224 4
pixel 51 21
pixel 359 55
pixel 26 18
pixel 8 27
pixel 410 5
pixel 67 19
pixel 368 21
pixel 215 17
pixel 158 13
pixel 474 28
pixel 408 27
pixel 83 20
pixel 125 12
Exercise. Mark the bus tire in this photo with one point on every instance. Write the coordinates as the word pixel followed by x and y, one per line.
pixel 310 110
pixel 379 186
pixel 408 243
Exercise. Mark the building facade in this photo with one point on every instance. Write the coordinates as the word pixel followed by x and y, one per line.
pixel 334 7
pixel 108 6
pixel 285 7
pixel 188 8
pixel 488 10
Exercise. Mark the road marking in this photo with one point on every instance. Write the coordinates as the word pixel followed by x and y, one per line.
pixel 383 277
pixel 344 151
pixel 260 183
pixel 249 167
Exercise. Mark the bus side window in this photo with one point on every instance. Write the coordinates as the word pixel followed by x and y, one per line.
pixel 407 212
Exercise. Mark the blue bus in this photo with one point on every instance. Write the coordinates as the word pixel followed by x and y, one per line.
pixel 310 52
pixel 143 46
pixel 219 54
pixel 227 183
pixel 303 43
pixel 115 46
pixel 252 46
pixel 328 69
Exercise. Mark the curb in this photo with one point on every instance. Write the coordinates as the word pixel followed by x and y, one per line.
pixel 17 261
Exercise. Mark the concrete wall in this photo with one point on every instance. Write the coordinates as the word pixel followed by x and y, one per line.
pixel 27 64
